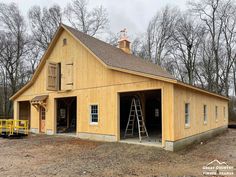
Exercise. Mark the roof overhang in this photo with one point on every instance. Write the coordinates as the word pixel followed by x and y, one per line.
pixel 39 101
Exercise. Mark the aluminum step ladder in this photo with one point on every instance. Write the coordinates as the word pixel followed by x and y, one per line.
pixel 136 112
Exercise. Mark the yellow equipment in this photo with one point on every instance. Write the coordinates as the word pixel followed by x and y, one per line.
pixel 11 127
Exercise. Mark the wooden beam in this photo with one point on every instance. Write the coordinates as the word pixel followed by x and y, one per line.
pixel 37 104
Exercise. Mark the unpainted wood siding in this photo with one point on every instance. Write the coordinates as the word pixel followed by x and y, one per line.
pixel 93 83
pixel 197 100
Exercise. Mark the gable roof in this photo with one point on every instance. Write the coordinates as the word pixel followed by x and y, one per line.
pixel 112 57
pixel 117 58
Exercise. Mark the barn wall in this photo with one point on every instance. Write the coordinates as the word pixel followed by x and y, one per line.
pixel 197 99
pixel 93 84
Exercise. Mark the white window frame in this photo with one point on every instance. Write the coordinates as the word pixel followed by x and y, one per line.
pixel 216 113
pixel 205 114
pixel 90 114
pixel 187 115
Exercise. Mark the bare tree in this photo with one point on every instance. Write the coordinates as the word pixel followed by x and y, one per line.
pixel 13 47
pixel 112 39
pixel 44 23
pixel 159 32
pixel 186 39
pixel 32 57
pixel 88 21
pixel 205 67
pixel 136 47
pixel 229 47
pixel 211 13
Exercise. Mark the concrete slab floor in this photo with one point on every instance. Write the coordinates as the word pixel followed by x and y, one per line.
pixel 67 134
pixel 145 142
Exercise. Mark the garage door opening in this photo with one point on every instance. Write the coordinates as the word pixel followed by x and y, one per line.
pixel 66 115
pixel 151 108
pixel 24 111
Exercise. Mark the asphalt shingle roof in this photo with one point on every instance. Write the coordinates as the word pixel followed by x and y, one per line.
pixel 115 57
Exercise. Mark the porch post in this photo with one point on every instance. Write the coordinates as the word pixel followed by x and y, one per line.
pixel 16 110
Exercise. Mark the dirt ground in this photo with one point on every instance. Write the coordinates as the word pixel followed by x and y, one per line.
pixel 41 155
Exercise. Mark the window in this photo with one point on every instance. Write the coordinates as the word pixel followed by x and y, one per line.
pixel 216 113
pixel 42 112
pixel 205 113
pixel 64 41
pixel 94 114
pixel 187 115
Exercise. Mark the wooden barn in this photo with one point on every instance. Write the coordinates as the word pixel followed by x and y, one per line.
pixel 90 89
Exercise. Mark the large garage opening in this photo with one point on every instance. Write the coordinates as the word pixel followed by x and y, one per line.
pixel 66 115
pixel 151 113
pixel 24 111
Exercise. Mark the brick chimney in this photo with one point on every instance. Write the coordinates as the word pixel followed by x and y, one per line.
pixel 124 43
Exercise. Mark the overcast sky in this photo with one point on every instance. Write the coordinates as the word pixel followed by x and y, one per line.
pixel 131 14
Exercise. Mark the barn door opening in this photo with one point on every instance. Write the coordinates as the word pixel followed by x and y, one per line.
pixel 151 104
pixel 24 111
pixel 66 115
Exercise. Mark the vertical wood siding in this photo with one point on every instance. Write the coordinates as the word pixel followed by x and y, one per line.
pixel 197 101
pixel 93 83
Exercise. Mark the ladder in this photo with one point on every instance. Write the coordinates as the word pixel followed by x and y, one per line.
pixel 136 112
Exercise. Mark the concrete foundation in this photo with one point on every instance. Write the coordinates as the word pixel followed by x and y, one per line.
pixel 34 130
pixel 169 145
pixel 182 143
pixel 49 132
pixel 96 137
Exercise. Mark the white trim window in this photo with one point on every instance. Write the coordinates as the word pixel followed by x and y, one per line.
pixel 187 114
pixel 216 113
pixel 94 114
pixel 205 113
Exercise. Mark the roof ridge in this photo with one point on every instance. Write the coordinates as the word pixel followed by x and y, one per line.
pixel 89 35
pixel 116 57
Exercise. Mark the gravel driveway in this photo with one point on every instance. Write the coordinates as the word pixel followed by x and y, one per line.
pixel 42 155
